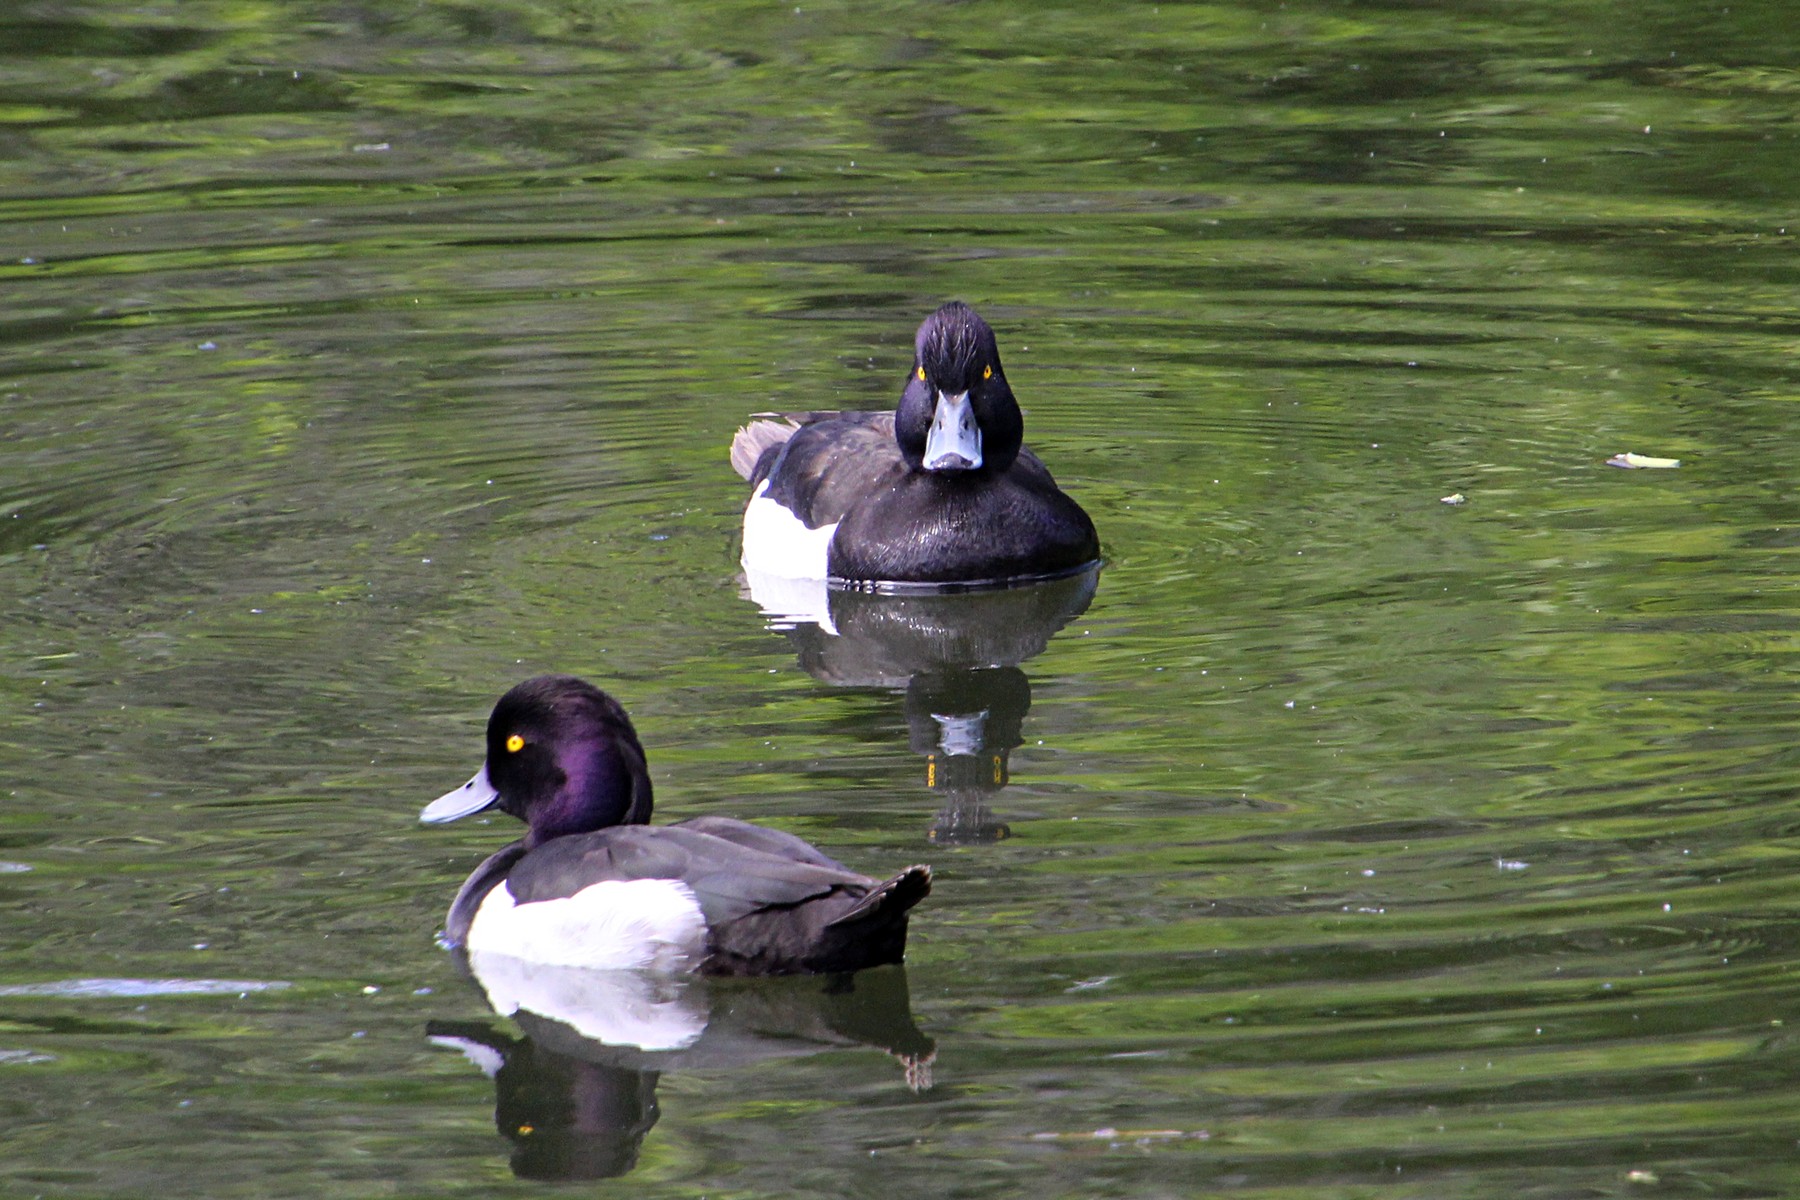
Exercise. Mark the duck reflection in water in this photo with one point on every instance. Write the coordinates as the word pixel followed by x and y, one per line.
pixel 577 1093
pixel 965 724
pixel 957 655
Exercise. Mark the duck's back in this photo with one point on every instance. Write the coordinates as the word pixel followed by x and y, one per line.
pixel 818 465
pixel 727 897
pixel 841 475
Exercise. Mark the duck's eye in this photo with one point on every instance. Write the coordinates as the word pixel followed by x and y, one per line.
pixel 514 744
pixel 920 371
pixel 987 372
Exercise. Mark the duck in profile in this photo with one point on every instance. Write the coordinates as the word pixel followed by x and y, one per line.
pixel 591 884
pixel 941 491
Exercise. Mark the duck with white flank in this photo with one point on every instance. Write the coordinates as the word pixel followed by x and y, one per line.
pixel 941 491
pixel 591 884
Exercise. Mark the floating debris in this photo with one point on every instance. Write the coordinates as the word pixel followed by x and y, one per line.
pixel 15 1058
pixel 143 987
pixel 1453 498
pixel 1138 1136
pixel 1640 462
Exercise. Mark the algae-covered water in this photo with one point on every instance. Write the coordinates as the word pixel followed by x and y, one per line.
pixel 358 360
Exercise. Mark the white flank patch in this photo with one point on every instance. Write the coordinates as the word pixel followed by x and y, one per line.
pixel 776 542
pixel 615 925
pixel 617 1008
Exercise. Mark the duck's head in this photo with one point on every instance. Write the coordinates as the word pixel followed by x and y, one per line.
pixel 562 757
pixel 957 413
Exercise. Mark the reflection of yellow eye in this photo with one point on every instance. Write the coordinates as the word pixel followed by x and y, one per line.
pixel 921 374
pixel 515 743
pixel 987 372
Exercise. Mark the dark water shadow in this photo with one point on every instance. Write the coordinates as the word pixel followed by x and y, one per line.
pixel 958 657
pixel 576 1093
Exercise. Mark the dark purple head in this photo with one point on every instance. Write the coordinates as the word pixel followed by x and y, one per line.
pixel 957 412
pixel 562 757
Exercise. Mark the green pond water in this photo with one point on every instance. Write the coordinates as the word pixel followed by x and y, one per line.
pixel 358 360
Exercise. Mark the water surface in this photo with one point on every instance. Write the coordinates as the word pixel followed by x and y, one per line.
pixel 357 362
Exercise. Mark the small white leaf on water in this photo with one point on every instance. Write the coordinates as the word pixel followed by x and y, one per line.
pixel 1642 462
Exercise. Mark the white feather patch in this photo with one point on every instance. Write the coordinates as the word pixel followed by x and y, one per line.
pixel 776 542
pixel 619 1008
pixel 615 925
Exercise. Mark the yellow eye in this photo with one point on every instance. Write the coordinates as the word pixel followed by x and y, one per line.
pixel 987 372
pixel 514 744
pixel 921 373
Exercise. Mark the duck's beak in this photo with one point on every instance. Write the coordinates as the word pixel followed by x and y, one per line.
pixel 471 797
pixel 954 443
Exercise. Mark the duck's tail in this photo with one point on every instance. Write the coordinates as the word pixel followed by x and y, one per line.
pixel 754 440
pixel 888 900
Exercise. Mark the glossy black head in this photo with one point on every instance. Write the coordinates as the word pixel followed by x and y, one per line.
pixel 957 413
pixel 564 758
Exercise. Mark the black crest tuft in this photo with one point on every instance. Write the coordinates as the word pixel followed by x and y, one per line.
pixel 954 344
